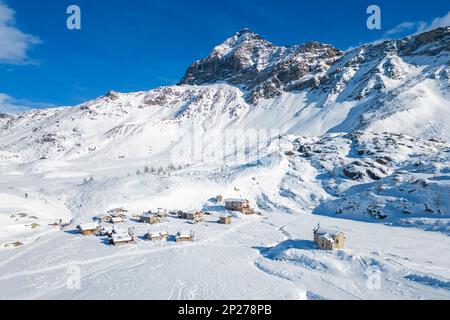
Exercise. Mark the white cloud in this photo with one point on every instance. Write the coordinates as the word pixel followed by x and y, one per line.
pixel 421 26
pixel 10 105
pixel 438 22
pixel 14 44
pixel 402 27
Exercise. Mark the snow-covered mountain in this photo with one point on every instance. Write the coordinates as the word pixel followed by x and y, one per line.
pixel 400 86
pixel 350 139
pixel 262 69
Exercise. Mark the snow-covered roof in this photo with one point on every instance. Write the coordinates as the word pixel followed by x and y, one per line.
pixel 327 237
pixel 235 200
pixel 156 211
pixel 158 234
pixel 88 226
pixel 117 210
pixel 185 234
pixel 333 232
pixel 146 214
pixel 116 219
pixel 121 237
pixel 193 212
pixel 118 230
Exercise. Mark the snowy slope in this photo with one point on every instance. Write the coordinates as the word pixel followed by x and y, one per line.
pixel 357 140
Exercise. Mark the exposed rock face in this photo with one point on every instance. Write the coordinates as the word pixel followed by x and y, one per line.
pixel 353 172
pixel 263 69
pixel 438 40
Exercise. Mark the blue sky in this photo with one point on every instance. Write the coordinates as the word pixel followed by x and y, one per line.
pixel 142 44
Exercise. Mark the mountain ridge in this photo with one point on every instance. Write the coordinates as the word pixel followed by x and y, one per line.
pixel 309 90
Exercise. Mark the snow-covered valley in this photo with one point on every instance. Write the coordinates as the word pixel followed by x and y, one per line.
pixel 270 256
pixel 358 141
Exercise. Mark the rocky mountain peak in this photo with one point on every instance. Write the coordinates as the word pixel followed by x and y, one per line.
pixel 263 69
pixel 243 40
pixel 247 35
